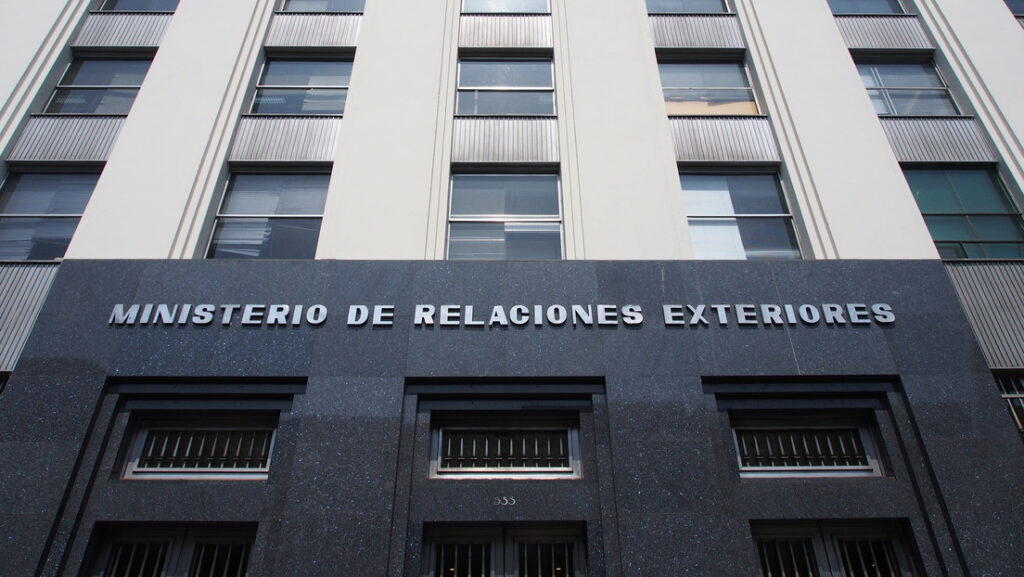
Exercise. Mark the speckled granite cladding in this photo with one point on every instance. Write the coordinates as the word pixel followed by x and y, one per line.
pixel 348 492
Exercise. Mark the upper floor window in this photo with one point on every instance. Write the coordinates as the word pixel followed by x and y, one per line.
pixel 98 86
pixel 907 89
pixel 738 216
pixel 506 87
pixel 968 212
pixel 505 216
pixel 865 6
pixel 505 6
pixel 494 552
pixel 140 5
pixel 270 216
pixel 1012 388
pixel 847 549
pixel 288 86
pixel 1016 6
pixel 354 6
pixel 706 88
pixel 686 7
pixel 39 213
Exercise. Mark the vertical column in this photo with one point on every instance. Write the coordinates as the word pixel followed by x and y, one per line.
pixel 839 160
pixel 177 130
pixel 622 186
pixel 389 158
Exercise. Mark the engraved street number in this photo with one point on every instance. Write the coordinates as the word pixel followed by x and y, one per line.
pixel 504 501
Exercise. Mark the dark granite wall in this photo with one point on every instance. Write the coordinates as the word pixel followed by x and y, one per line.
pixel 349 493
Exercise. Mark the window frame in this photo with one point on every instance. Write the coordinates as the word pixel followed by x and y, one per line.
pixel 1010 8
pixel 220 215
pixel 459 88
pixel 4 215
pixel 281 10
pixel 1001 189
pixel 61 85
pixel 825 537
pixel 146 422
pixel 504 542
pixel 1011 389
pixel 506 420
pixel 259 85
pixel 726 9
pixel 744 69
pixel 103 8
pixel 464 12
pixel 506 218
pixel 899 5
pixel 783 196
pixel 887 99
pixel 818 420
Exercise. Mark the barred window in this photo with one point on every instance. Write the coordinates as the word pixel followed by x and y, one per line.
pixel 505 447
pixel 148 552
pixel 522 552
pixel 202 448
pixel 788 445
pixel 831 549
pixel 1012 388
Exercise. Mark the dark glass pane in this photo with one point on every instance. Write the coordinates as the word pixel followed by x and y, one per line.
pixel 307 73
pixel 922 102
pixel 505 74
pixel 498 102
pixel 219 559
pixel 279 238
pixel 46 193
pixel 323 5
pixel 300 101
pixel 35 238
pixel 979 191
pixel 505 194
pixel 545 560
pixel 768 238
pixel 106 73
pixel 92 101
pixel 685 6
pixel 141 5
pixel 949 228
pixel 717 101
pixel 933 191
pixel 865 6
pixel 266 194
pixel 951 250
pixel 462 560
pixel 514 6
pixel 501 241
pixel 702 75
pixel 912 75
pixel 787 558
pixel 136 560
pixel 997 227
pixel 1015 6
pixel 1003 250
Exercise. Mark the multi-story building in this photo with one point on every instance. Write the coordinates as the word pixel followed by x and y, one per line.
pixel 543 288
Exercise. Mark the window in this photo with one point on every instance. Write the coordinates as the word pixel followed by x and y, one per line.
pixel 201 447
pixel 39 213
pixel 302 87
pixel 146 552
pixel 784 445
pixel 907 89
pixel 98 86
pixel 738 216
pixel 505 217
pixel 509 445
pixel 706 89
pixel 686 7
pixel 505 87
pixel 1015 6
pixel 847 550
pixel 1012 388
pixel 968 212
pixel 354 6
pixel 140 6
pixel 505 6
pixel 270 216
pixel 494 552
pixel 865 6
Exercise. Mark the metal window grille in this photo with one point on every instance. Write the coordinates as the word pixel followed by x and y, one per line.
pixel 787 558
pixel 868 558
pixel 219 559
pixel 1012 389
pixel 802 449
pixel 139 559
pixel 521 451
pixel 205 450
pixel 545 559
pixel 463 560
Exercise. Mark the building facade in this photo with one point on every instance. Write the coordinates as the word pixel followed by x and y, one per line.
pixel 511 287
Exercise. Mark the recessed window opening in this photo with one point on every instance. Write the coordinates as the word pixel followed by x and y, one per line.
pixel 39 213
pixel 686 7
pixel 505 87
pixel 907 89
pixel 493 552
pixel 505 7
pixel 1012 388
pixel 797 444
pixel 350 6
pixel 850 550
pixel 170 552
pixel 98 86
pixel 294 86
pixel 840 7
pixel 707 89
